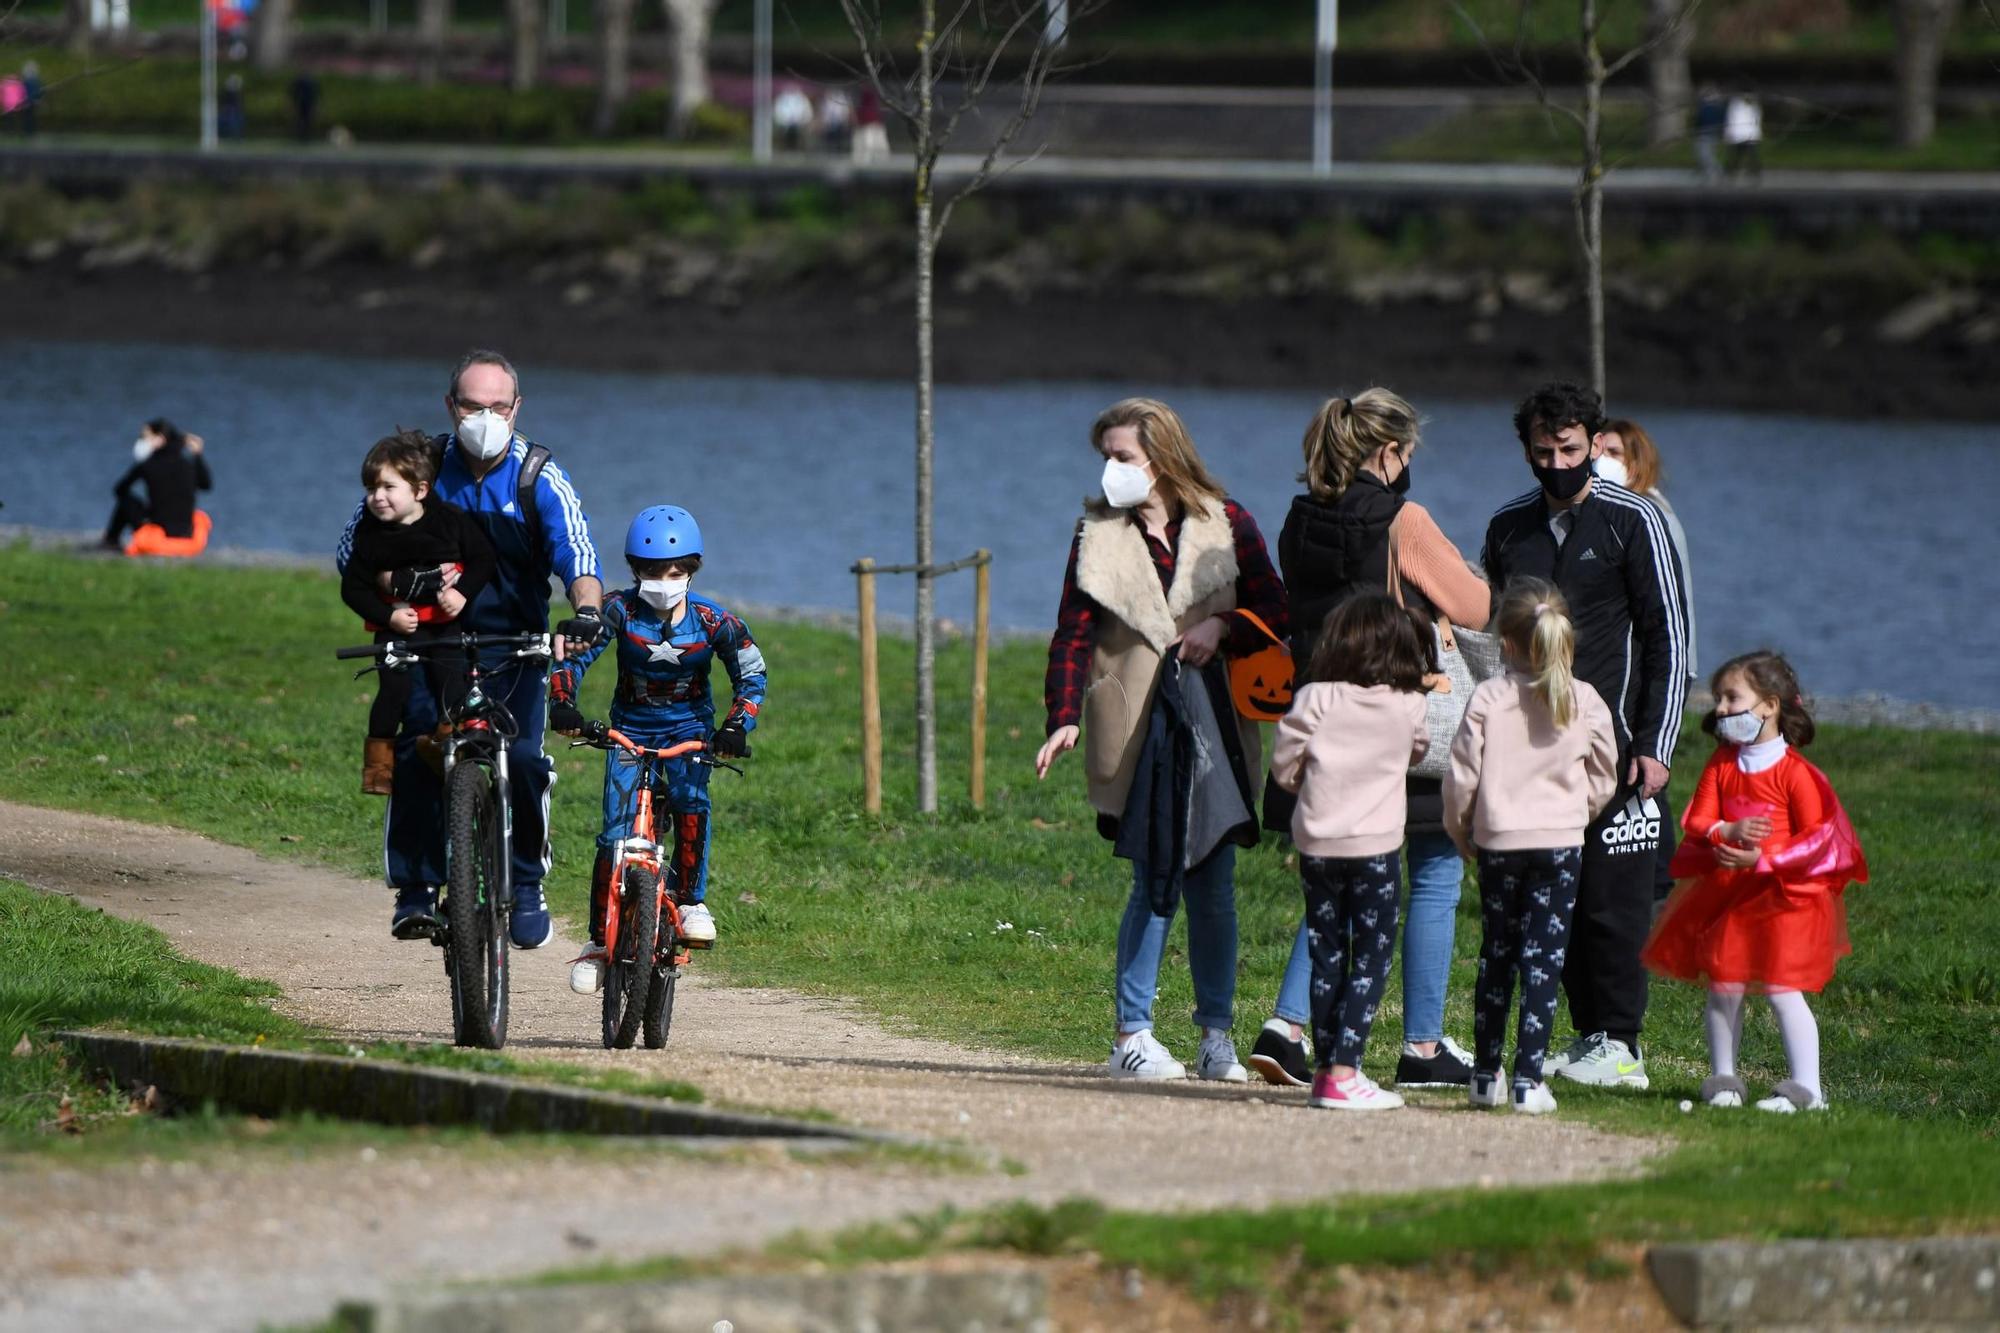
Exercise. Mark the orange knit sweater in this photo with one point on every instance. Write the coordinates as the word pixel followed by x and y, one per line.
pixel 1425 557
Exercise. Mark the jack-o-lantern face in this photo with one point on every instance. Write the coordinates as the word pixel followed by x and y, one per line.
pixel 1262 684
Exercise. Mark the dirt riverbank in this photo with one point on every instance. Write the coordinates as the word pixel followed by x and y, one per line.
pixel 1444 339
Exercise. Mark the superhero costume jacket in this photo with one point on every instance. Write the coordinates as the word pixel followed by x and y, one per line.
pixel 663 694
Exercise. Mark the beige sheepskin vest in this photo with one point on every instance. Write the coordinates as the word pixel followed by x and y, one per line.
pixel 1115 570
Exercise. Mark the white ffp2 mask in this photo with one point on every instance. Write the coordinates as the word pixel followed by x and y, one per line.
pixel 485 435
pixel 663 594
pixel 1739 728
pixel 1613 470
pixel 1125 484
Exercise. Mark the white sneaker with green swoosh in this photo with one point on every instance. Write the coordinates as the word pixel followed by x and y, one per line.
pixel 1606 1063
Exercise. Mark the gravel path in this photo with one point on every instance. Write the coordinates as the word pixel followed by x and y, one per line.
pixel 223 1242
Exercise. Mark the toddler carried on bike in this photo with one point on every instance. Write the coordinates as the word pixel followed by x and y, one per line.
pixel 667 640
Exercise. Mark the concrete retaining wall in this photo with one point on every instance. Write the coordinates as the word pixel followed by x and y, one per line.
pixel 1933 1283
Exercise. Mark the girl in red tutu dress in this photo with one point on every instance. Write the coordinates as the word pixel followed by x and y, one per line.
pixel 1767 856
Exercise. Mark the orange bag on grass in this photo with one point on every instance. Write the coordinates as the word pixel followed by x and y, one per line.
pixel 152 539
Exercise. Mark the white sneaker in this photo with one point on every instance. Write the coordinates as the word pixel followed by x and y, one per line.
pixel 1791 1098
pixel 586 971
pixel 1605 1062
pixel 1487 1090
pixel 1723 1090
pixel 1217 1060
pixel 697 926
pixel 1141 1056
pixel 1358 1093
pixel 1533 1099
pixel 1554 1061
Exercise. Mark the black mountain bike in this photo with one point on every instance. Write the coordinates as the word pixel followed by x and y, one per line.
pixel 472 925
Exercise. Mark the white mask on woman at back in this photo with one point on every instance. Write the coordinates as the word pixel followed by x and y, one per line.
pixel 1125 484
pixel 1613 470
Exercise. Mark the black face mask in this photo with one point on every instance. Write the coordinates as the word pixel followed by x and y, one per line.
pixel 1401 485
pixel 1563 483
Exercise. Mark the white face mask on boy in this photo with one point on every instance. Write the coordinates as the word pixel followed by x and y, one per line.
pixel 1125 484
pixel 663 594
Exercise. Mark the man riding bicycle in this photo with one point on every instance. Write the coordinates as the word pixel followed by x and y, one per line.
pixel 524 502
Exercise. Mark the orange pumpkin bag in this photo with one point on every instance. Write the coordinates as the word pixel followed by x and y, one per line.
pixel 1260 683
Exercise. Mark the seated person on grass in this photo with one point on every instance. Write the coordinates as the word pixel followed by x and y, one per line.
pixel 417 561
pixel 668 639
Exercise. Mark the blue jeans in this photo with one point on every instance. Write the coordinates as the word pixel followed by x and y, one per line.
pixel 679 823
pixel 1209 893
pixel 1429 929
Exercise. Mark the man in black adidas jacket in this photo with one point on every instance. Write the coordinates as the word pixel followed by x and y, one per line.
pixel 1608 550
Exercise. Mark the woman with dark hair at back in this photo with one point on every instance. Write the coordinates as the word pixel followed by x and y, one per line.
pixel 170 464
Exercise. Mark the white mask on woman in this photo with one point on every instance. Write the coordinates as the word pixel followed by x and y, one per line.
pixel 142 449
pixel 485 434
pixel 1125 484
pixel 1739 728
pixel 1613 470
pixel 663 594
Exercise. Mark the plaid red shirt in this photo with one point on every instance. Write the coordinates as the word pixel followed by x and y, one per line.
pixel 1258 589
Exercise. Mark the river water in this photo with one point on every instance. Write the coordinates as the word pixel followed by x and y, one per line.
pixel 1866 551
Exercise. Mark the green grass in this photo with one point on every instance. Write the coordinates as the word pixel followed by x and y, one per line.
pixel 1799 138
pixel 133 697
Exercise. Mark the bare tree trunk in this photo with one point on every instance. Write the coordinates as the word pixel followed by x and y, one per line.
pixel 524 32
pixel 927 781
pixel 77 34
pixel 1590 189
pixel 613 23
pixel 271 42
pixel 688 30
pixel 1921 26
pixel 1669 33
pixel 433 19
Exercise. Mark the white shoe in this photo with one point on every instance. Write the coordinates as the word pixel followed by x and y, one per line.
pixel 1555 1061
pixel 1605 1062
pixel 1533 1099
pixel 1141 1056
pixel 586 972
pixel 1358 1093
pixel 1723 1090
pixel 1486 1090
pixel 1791 1098
pixel 1217 1061
pixel 697 926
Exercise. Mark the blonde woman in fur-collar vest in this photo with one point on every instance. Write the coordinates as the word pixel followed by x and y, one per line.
pixel 1158 563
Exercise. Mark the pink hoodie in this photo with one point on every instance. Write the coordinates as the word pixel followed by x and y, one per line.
pixel 1346 750
pixel 1515 782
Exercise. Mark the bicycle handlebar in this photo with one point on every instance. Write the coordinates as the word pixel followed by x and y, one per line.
pixel 600 737
pixel 525 645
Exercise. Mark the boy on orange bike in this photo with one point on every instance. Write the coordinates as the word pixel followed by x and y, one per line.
pixel 668 639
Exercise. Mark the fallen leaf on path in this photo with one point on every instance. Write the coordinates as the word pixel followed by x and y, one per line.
pixel 23 1048
pixel 66 1117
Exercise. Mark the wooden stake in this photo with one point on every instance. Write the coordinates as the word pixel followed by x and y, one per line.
pixel 871 693
pixel 982 575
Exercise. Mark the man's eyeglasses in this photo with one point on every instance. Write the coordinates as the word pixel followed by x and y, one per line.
pixel 474 409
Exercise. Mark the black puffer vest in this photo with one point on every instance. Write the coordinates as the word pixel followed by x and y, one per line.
pixel 1327 552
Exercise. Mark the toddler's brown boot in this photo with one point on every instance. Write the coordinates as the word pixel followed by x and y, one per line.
pixel 378 767
pixel 430 748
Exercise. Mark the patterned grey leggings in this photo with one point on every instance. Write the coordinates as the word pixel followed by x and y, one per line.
pixel 1526 899
pixel 1351 932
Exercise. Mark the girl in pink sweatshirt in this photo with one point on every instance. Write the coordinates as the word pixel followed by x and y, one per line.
pixel 1533 763
pixel 1345 748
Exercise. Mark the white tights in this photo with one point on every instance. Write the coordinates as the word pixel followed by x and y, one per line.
pixel 1796 1028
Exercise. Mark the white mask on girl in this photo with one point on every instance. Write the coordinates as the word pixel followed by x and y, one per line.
pixel 485 435
pixel 663 594
pixel 1125 484
pixel 1739 728
pixel 1613 470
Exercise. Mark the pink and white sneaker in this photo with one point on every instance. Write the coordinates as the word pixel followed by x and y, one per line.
pixel 1359 1093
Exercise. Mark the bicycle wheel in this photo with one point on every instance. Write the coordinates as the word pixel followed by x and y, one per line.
pixel 660 999
pixel 472 907
pixel 629 971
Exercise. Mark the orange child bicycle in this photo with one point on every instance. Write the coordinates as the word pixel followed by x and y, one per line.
pixel 644 946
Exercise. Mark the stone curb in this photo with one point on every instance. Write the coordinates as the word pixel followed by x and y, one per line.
pixel 272 1082
pixel 992 1300
pixel 1933 1283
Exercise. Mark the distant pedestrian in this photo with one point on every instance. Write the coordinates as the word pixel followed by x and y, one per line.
pixel 871 137
pixel 13 97
pixel 305 106
pixel 836 121
pixel 1743 135
pixel 31 95
pixel 229 108
pixel 792 114
pixel 1769 854
pixel 1710 111
pixel 169 464
pixel 1534 762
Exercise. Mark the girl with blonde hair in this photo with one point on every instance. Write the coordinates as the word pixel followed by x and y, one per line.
pixel 1159 562
pixel 1341 538
pixel 1534 761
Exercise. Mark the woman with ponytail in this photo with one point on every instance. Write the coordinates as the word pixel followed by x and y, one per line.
pixel 1341 538
pixel 1534 761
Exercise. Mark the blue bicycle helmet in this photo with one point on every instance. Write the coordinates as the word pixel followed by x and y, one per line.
pixel 663 532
